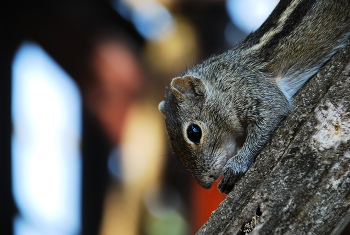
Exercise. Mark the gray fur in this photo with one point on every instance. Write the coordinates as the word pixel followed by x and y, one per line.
pixel 244 93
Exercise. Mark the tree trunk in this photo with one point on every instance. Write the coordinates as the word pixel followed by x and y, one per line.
pixel 300 183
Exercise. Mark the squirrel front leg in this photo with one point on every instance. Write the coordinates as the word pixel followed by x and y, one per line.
pixel 258 134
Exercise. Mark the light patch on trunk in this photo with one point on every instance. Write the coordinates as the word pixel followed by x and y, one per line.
pixel 333 127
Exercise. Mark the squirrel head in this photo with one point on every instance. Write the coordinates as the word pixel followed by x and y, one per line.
pixel 196 129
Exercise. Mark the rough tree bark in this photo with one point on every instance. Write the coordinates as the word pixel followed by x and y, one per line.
pixel 300 183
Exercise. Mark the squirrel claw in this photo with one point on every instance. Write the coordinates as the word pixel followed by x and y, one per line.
pixel 229 180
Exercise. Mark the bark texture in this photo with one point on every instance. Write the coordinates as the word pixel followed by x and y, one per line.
pixel 300 183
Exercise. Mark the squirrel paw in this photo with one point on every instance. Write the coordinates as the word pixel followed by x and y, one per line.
pixel 229 180
pixel 232 173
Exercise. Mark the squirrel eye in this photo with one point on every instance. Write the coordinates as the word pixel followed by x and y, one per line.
pixel 194 133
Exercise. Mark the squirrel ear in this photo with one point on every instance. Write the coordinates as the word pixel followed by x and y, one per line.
pixel 161 107
pixel 189 87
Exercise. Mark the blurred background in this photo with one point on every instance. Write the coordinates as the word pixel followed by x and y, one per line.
pixel 83 145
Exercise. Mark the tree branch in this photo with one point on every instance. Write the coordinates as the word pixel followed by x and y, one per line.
pixel 300 183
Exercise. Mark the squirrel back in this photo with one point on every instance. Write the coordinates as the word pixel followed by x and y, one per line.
pixel 235 101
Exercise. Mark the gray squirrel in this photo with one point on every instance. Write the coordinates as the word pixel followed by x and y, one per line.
pixel 221 113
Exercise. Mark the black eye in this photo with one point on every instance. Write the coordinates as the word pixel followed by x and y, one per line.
pixel 194 133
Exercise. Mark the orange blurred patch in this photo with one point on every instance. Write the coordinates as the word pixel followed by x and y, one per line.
pixel 203 203
pixel 120 80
